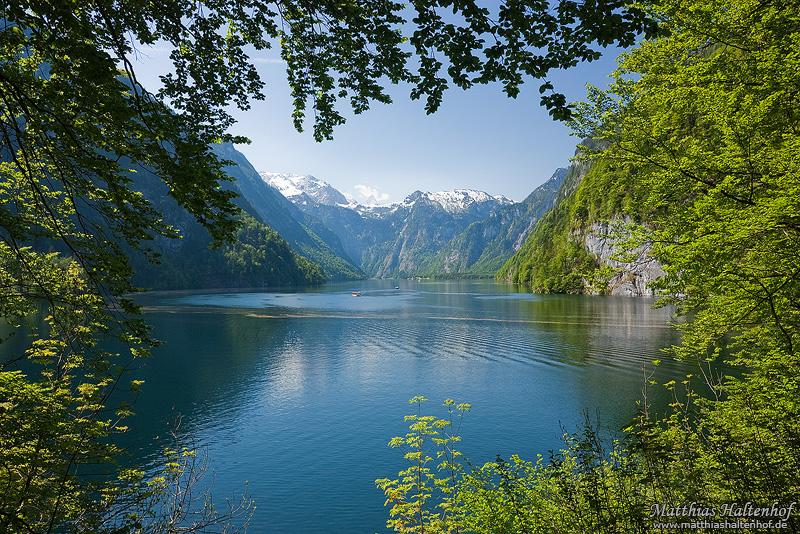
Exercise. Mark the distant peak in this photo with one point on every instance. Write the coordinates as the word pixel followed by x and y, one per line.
pixel 457 200
pixel 294 186
pixel 299 187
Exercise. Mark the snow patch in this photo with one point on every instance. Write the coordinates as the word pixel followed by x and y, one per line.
pixel 292 186
pixel 373 203
pixel 458 200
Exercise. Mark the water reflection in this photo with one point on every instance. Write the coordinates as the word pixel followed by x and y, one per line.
pixel 299 393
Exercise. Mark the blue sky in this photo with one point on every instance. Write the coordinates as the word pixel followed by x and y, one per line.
pixel 479 139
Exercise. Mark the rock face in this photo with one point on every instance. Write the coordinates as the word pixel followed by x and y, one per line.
pixel 571 249
pixel 632 278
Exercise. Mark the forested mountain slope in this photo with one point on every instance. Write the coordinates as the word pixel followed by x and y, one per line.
pixel 259 257
pixel 307 236
pixel 571 249
pixel 486 245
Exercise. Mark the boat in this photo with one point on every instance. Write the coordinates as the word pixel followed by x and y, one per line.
pixel 356 293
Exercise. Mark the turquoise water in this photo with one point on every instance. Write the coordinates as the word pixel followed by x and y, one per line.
pixel 296 394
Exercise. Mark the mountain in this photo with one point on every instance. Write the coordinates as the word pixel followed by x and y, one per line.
pixel 461 232
pixel 307 236
pixel 559 239
pixel 259 257
pixel 571 248
pixel 486 245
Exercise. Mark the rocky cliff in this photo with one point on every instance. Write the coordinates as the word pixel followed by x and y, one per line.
pixel 572 248
pixel 629 278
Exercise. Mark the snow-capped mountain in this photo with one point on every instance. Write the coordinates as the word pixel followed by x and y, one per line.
pixel 296 187
pixel 399 239
pixel 459 200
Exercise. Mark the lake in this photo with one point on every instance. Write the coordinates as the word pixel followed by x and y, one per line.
pixel 296 394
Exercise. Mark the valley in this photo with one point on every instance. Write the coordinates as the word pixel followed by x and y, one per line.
pixel 447 233
pixel 303 231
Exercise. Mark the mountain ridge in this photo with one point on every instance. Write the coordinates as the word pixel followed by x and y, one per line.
pixel 572 248
pixel 424 234
pixel 301 187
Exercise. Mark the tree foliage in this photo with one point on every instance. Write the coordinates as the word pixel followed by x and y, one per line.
pixel 708 119
pixel 76 127
pixel 701 126
pixel 422 500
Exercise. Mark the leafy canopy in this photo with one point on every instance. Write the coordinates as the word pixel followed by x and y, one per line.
pixel 704 124
pixel 76 128
pixel 701 130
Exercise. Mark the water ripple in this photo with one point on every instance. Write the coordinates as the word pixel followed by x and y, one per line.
pixel 299 393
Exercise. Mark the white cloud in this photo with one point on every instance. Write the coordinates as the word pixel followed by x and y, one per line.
pixel 268 60
pixel 370 195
